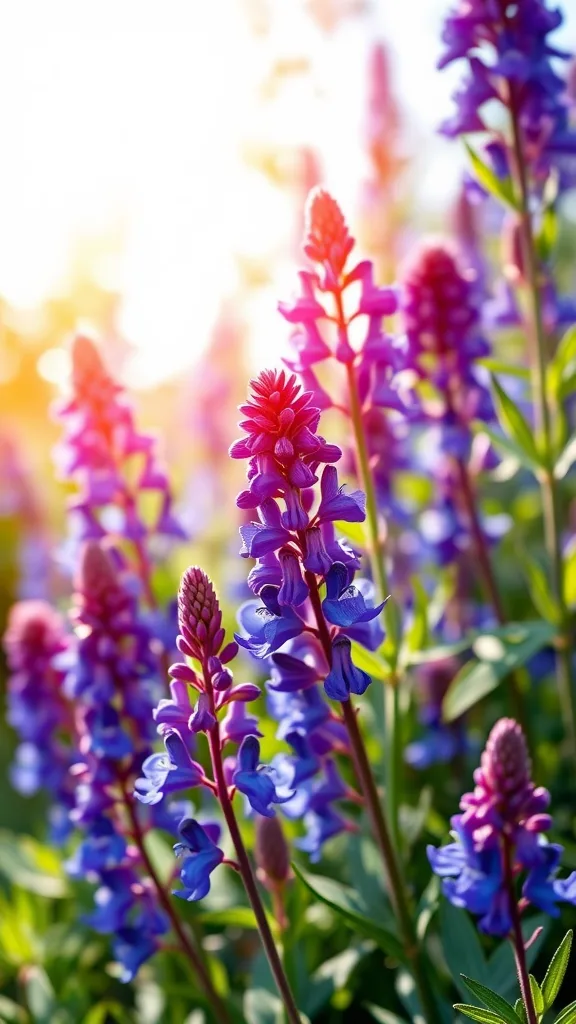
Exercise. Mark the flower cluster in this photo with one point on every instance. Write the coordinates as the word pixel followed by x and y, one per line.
pixel 306 632
pixel 104 452
pixel 111 680
pixel 38 709
pixel 440 314
pixel 509 59
pixel 220 713
pixel 323 324
pixel 500 835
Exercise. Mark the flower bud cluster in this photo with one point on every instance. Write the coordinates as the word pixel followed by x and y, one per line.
pixel 499 836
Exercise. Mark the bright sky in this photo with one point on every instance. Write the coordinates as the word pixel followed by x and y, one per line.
pixel 136 111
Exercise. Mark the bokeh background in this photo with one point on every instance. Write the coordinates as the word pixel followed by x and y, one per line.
pixel 155 163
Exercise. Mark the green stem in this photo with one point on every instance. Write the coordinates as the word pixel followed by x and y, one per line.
pixel 382 833
pixel 517 939
pixel 244 865
pixel 390 702
pixel 550 498
pixel 221 1014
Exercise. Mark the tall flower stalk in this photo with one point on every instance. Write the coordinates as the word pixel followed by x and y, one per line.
pixel 202 640
pixel 368 372
pixel 294 563
pixel 500 838
pixel 509 57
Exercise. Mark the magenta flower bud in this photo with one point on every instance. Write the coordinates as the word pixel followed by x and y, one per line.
pixel 199 615
pixel 505 763
pixel 272 852
pixel 96 577
pixel 328 240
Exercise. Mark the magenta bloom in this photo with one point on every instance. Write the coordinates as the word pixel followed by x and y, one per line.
pixel 112 462
pixel 500 835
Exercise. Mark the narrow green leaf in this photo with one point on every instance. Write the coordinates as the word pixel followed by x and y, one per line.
pixel 564 359
pixel 383 1016
pixel 521 1011
pixel 501 366
pixel 566 459
pixel 567 1015
pixel 506 446
pixel 500 654
pixel 500 188
pixel 539 588
pixel 501 967
pixel 476 1013
pixel 536 995
pixel 418 636
pixel 556 971
pixel 513 423
pixel 344 902
pixel 492 1000
pixel 370 662
pixel 461 946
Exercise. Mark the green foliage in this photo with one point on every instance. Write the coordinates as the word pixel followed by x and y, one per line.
pixel 500 188
pixel 556 971
pixel 347 905
pixel 492 1001
pixel 498 654
pixel 515 427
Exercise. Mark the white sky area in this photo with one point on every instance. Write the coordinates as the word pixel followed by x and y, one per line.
pixel 136 112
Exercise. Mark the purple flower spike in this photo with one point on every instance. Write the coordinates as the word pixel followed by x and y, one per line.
pixel 344 678
pixel 200 858
pixel 499 832
pixel 256 781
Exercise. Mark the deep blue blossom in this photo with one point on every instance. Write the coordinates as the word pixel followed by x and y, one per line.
pixel 499 835
pixel 200 857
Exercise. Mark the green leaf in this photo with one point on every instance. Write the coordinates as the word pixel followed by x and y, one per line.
pixel 476 1013
pixel 521 1011
pixel 262 1007
pixel 461 946
pixel 564 359
pixel 539 588
pixel 10 1012
pixel 499 188
pixel 548 234
pixel 499 653
pixel 566 459
pixel 556 971
pixel 383 1016
pixel 232 917
pixel 39 995
pixel 31 866
pixel 501 967
pixel 513 423
pixel 501 366
pixel 536 995
pixel 344 902
pixel 418 636
pixel 506 446
pixel 370 662
pixel 568 1015
pixel 492 1000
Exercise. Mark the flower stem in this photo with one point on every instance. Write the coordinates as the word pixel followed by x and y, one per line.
pixel 219 1009
pixel 391 711
pixel 245 867
pixel 490 585
pixel 382 832
pixel 517 939
pixel 550 498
